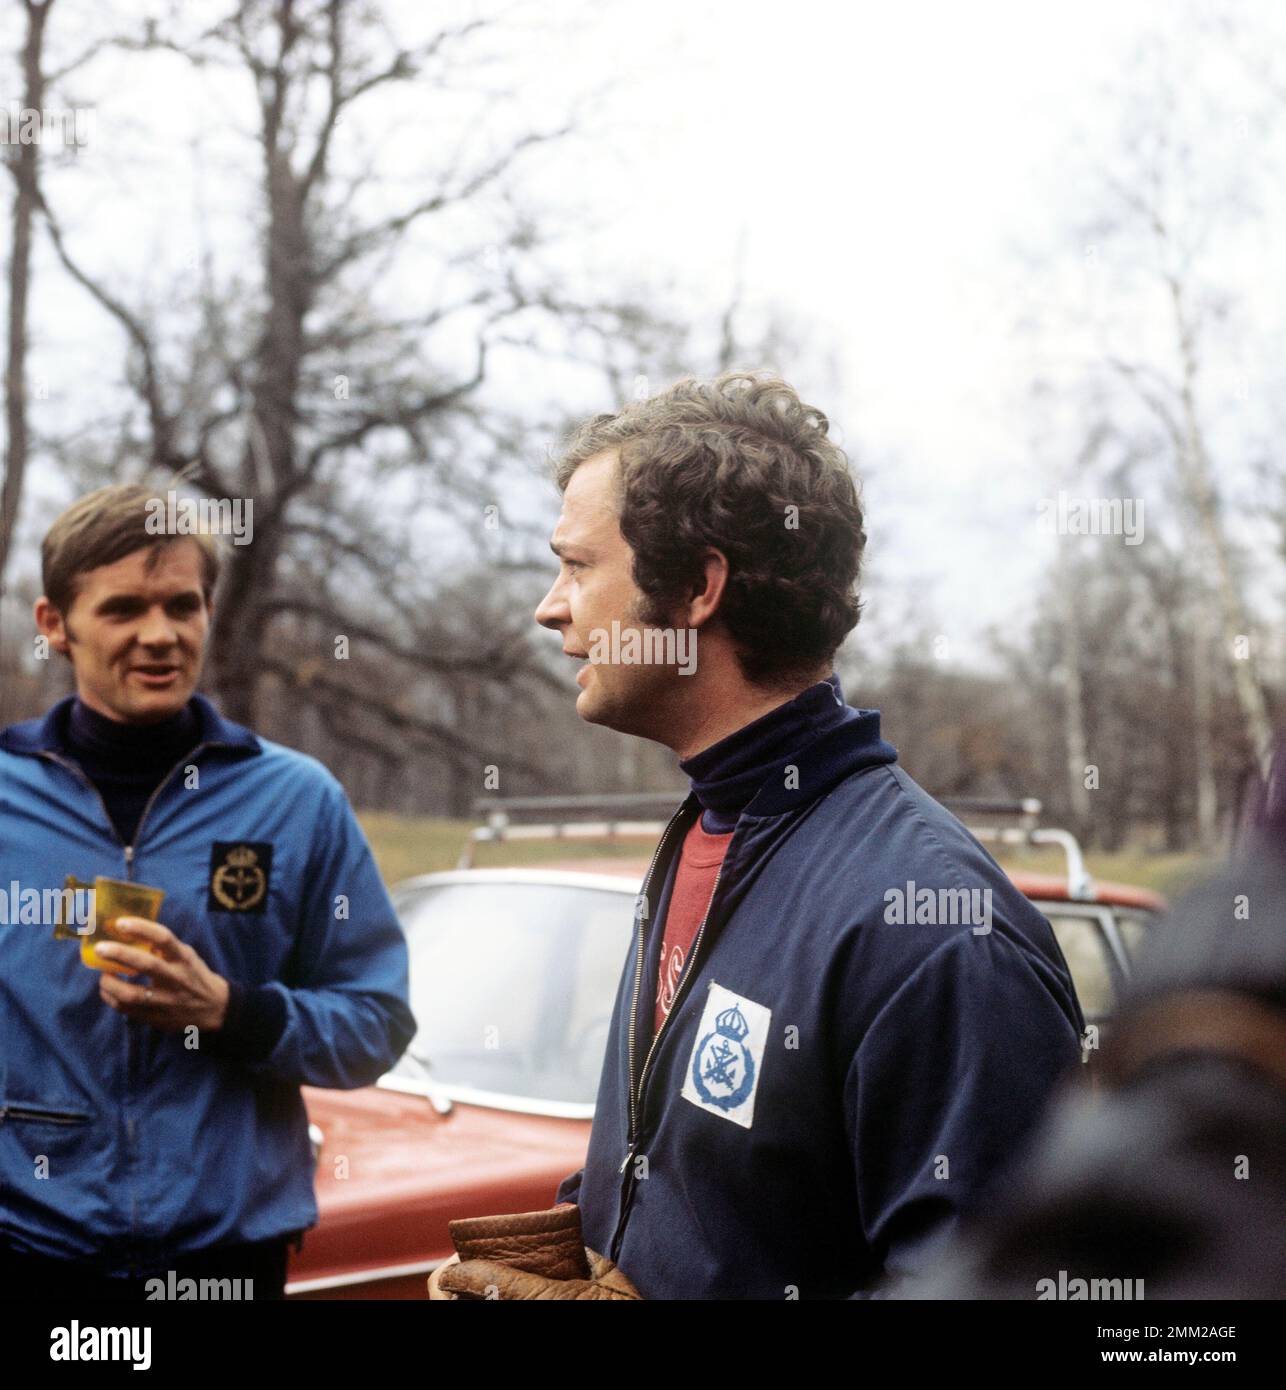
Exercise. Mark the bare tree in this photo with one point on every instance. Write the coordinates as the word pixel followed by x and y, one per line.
pixel 1160 202
pixel 297 395
pixel 22 162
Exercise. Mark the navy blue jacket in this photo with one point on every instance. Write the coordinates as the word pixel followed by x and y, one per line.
pixel 835 1085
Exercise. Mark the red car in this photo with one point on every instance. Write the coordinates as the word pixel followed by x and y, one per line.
pixel 513 978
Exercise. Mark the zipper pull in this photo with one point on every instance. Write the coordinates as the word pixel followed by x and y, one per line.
pixel 129 856
pixel 625 1162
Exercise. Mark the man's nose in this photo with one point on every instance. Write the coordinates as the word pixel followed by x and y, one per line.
pixel 552 610
pixel 157 629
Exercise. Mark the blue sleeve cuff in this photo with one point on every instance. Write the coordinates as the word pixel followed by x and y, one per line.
pixel 254 1023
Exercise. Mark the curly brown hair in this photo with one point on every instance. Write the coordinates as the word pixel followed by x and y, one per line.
pixel 739 464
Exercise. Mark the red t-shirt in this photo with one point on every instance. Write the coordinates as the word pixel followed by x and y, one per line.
pixel 699 862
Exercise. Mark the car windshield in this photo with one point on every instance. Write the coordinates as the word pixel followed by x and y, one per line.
pixel 512 984
pixel 1096 972
pixel 1134 928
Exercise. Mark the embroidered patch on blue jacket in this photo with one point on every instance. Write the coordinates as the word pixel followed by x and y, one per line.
pixel 723 1072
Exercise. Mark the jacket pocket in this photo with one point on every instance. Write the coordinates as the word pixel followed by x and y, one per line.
pixel 37 1131
pixel 40 1116
pixel 22 1111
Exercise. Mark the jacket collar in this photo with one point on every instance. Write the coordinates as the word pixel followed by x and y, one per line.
pixel 727 775
pixel 46 735
pixel 817 734
pixel 847 748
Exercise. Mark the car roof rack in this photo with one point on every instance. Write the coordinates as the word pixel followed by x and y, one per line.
pixel 611 816
pixel 1024 828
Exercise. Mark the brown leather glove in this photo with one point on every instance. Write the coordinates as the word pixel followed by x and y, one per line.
pixel 486 1279
pixel 526 1255
pixel 435 1287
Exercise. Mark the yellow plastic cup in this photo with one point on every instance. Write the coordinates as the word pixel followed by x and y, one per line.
pixel 65 929
pixel 115 898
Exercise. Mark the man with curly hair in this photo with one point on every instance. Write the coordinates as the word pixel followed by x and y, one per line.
pixel 839 1021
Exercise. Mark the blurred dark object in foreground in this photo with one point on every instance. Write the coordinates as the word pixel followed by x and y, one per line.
pixel 1172 1169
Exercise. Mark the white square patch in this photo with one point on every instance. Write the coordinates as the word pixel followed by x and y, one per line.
pixel 727 1057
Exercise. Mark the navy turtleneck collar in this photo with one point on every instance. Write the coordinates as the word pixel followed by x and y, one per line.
pixel 726 776
pixel 108 739
pixel 127 762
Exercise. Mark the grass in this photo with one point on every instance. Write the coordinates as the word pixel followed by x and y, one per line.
pixel 1168 874
pixel 407 845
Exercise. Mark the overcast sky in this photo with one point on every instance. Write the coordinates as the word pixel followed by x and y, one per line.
pixel 905 177
pixel 902 179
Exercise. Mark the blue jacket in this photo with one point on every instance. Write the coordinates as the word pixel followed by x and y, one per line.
pixel 155 1148
pixel 836 1085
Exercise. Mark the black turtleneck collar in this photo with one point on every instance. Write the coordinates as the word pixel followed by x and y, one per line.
pixel 726 776
pixel 93 733
pixel 127 762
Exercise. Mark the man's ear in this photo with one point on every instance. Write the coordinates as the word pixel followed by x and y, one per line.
pixel 705 601
pixel 49 622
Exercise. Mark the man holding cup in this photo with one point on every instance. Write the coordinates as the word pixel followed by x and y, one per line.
pixel 150 1114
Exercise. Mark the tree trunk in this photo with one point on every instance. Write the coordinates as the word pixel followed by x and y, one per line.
pixel 269 463
pixel 1203 704
pixel 240 625
pixel 1075 748
pixel 1194 462
pixel 24 166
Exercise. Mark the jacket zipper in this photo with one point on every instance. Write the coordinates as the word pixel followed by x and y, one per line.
pixel 128 850
pixel 638 977
pixel 636 1095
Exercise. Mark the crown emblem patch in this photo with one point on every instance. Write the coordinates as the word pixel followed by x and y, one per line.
pixel 723 1071
pixel 239 875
